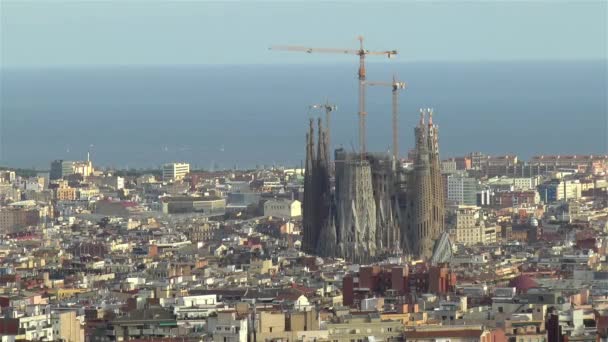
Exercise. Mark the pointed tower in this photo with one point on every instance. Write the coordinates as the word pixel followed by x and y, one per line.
pixel 308 219
pixel 436 179
pixel 326 241
pixel 419 229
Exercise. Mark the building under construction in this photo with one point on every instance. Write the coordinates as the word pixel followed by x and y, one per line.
pixel 376 207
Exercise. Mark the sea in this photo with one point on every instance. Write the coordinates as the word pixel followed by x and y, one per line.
pixel 243 116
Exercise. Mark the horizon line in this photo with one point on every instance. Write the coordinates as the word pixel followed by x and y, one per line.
pixel 433 61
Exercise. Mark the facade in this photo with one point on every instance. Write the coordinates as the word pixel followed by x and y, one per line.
pixel 377 208
pixel 513 183
pixel 369 327
pixel 358 220
pixel 145 324
pixel 465 333
pixel 289 326
pixel 65 194
pixel 449 166
pixel 66 326
pixel 14 218
pixel 84 168
pixel 64 168
pixel 61 168
pixel 7 176
pixel 559 190
pixel 228 326
pixel 462 190
pixel 283 208
pixel 213 206
pixel 471 229
pixel 175 171
pixel 508 199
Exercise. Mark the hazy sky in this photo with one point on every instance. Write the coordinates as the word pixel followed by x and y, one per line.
pixel 41 33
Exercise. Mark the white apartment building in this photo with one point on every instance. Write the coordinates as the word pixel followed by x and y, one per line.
pixel 175 171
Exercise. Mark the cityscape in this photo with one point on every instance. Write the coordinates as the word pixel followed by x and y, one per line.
pixel 352 243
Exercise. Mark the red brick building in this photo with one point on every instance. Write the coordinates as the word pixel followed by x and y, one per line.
pixel 377 281
pixel 508 199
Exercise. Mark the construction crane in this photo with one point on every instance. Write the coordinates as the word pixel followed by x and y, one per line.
pixel 328 109
pixel 395 86
pixel 362 52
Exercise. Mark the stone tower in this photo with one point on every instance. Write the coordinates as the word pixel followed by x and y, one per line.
pixel 438 213
pixel 424 214
pixel 317 219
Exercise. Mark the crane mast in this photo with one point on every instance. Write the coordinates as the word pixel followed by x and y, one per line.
pixel 361 52
pixel 395 87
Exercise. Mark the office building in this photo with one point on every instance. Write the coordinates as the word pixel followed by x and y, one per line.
pixel 462 190
pixel 559 190
pixel 175 171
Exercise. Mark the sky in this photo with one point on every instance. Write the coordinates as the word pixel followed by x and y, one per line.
pixel 84 33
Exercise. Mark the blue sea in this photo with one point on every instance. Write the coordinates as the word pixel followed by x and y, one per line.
pixel 248 115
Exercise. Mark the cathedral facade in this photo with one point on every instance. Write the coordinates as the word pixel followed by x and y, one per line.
pixel 376 207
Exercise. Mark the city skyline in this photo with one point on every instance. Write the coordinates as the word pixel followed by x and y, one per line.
pixel 188 184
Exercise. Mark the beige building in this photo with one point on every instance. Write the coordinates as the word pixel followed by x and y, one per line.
pixel 262 267
pixel 471 229
pixel 87 193
pixel 84 168
pixel 65 194
pixel 210 205
pixel 175 171
pixel 362 327
pixel 294 326
pixel 66 327
pixel 16 216
pixel 283 208
pixel 464 333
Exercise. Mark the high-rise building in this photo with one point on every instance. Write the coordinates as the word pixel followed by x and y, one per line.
pixel 61 168
pixel 175 171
